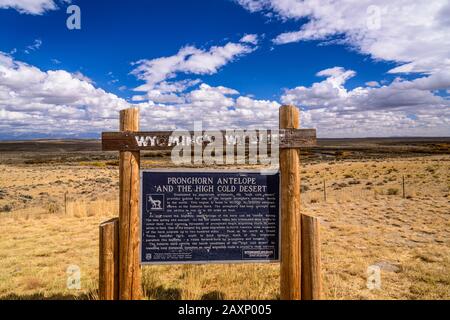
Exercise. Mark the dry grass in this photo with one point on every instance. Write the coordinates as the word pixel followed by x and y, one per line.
pixel 35 252
pixel 80 209
pixel 363 223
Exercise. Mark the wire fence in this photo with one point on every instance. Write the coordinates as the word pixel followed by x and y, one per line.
pixel 366 189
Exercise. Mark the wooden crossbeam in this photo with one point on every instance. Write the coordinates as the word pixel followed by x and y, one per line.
pixel 166 140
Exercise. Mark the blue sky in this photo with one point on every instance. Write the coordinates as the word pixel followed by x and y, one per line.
pixel 348 77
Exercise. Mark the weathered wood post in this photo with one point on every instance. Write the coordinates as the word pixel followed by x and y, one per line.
pixel 290 272
pixel 129 165
pixel 311 259
pixel 65 203
pixel 128 143
pixel 403 187
pixel 109 260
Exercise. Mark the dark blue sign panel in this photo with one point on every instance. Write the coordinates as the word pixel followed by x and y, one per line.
pixel 201 217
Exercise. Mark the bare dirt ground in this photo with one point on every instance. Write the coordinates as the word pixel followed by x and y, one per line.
pixel 54 194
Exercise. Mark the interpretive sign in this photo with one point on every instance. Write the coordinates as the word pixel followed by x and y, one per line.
pixel 209 216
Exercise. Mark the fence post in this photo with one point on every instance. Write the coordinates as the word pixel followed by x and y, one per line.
pixel 324 191
pixel 290 272
pixel 129 165
pixel 403 185
pixel 109 260
pixel 311 259
pixel 65 203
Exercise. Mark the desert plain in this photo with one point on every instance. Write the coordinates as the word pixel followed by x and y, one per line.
pixel 380 202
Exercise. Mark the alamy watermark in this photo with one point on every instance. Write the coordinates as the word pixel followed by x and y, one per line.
pixel 374 277
pixel 73 22
pixel 73 277
pixel 373 20
pixel 213 147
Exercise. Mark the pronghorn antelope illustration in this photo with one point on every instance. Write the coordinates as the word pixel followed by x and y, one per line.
pixel 156 204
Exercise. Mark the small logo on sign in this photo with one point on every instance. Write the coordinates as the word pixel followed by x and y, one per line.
pixel 155 202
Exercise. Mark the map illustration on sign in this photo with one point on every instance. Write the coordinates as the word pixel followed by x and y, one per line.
pixel 209 217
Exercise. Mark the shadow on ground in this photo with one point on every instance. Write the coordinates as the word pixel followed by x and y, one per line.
pixel 162 293
pixel 157 293
pixel 40 296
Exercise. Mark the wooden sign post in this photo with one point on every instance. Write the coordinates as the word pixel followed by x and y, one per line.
pixel 109 260
pixel 129 267
pixel 311 259
pixel 120 274
pixel 290 211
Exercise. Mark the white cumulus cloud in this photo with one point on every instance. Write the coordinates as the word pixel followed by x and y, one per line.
pixel 404 107
pixel 250 38
pixel 415 34
pixel 32 100
pixel 158 74
pixel 34 7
